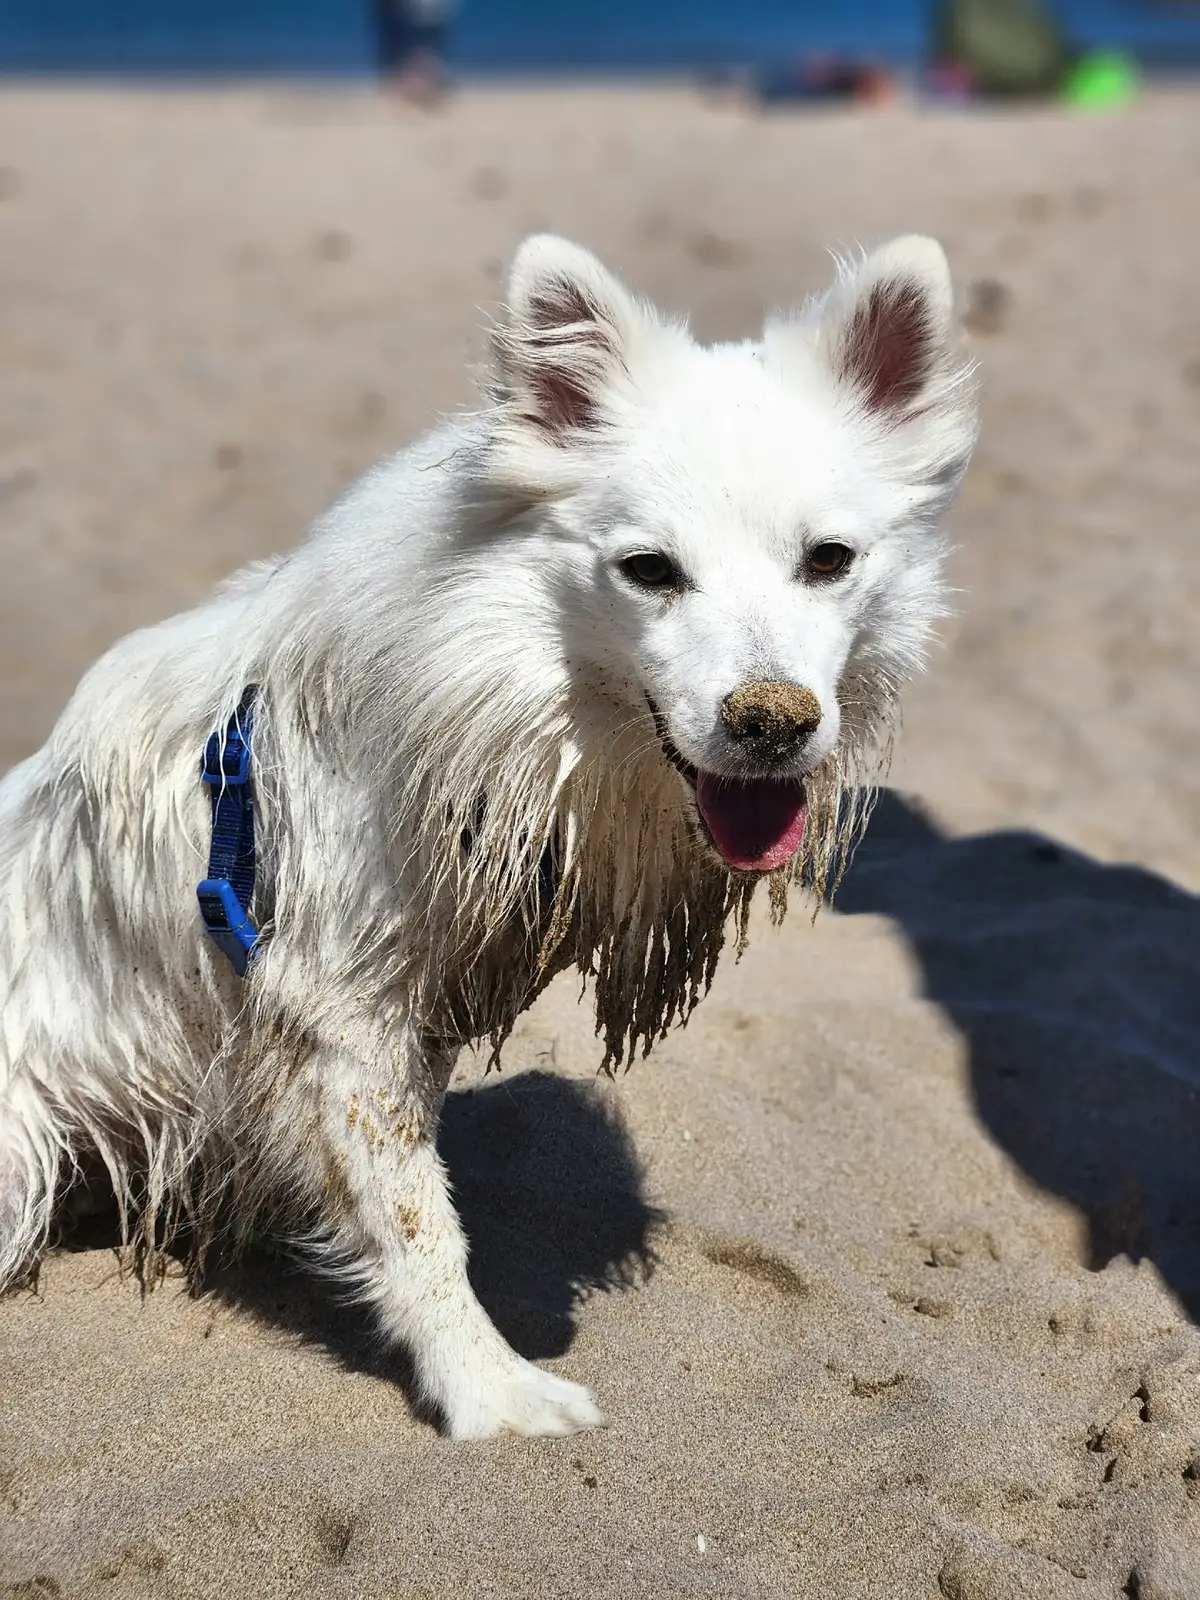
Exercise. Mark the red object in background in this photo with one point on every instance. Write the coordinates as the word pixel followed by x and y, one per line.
pixel 874 86
pixel 821 75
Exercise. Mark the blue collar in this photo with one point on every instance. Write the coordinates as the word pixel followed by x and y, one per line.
pixel 227 891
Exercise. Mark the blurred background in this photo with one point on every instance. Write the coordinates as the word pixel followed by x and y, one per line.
pixel 342 35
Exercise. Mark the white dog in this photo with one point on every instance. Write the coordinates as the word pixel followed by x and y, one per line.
pixel 556 686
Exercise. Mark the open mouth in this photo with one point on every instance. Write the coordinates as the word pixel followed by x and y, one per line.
pixel 754 824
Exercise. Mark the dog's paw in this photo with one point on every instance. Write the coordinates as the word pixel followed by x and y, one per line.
pixel 524 1399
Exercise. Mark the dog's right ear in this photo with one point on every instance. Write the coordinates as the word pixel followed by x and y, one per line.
pixel 564 338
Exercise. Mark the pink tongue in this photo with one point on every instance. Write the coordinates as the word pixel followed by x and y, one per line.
pixel 757 826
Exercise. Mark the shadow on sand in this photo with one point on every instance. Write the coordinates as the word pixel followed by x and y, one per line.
pixel 549 1191
pixel 1077 988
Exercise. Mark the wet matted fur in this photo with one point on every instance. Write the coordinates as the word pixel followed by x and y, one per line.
pixel 493 739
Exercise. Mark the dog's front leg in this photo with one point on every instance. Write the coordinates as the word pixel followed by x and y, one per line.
pixel 389 1207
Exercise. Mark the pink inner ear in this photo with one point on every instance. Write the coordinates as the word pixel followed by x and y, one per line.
pixel 569 338
pixel 887 349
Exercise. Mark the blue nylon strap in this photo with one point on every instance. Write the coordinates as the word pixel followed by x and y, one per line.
pixel 226 893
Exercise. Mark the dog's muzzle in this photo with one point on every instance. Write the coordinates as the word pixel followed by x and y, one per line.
pixel 754 824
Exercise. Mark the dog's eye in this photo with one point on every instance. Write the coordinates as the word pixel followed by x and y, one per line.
pixel 828 560
pixel 651 570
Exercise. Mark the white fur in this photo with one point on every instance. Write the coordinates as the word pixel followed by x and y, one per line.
pixel 453 654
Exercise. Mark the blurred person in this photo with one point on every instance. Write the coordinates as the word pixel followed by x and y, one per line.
pixel 411 37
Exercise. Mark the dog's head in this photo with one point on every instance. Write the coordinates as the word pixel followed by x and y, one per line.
pixel 745 545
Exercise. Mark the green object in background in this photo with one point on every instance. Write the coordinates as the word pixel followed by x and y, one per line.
pixel 1101 81
pixel 1008 47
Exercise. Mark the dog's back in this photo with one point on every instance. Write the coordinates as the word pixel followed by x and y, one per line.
pixel 110 1003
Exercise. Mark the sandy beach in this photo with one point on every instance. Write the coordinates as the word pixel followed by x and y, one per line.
pixel 885 1270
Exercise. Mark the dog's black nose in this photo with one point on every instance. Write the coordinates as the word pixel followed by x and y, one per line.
pixel 771 720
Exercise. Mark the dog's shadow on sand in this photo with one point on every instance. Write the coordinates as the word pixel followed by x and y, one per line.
pixel 1076 986
pixel 550 1193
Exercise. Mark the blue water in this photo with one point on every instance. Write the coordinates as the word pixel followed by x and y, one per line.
pixel 335 35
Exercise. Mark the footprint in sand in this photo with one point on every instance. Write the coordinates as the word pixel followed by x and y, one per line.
pixel 753 1261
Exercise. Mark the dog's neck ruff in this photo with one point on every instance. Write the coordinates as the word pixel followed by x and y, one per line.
pixel 225 894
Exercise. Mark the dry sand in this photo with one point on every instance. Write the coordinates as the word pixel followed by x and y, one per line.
pixel 903 1234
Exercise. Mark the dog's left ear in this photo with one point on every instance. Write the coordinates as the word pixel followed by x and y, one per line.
pixel 886 326
pixel 885 333
pixel 565 336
